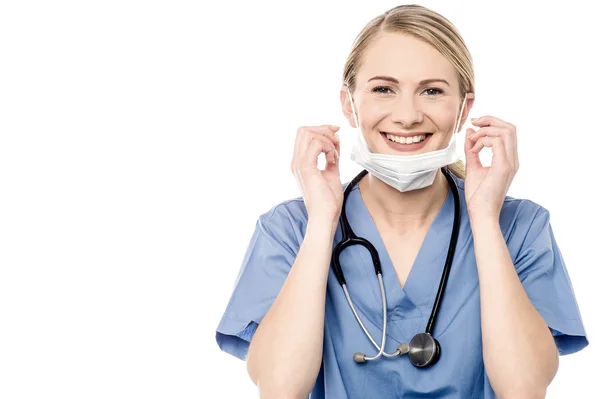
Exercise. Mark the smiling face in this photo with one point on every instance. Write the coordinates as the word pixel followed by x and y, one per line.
pixel 406 95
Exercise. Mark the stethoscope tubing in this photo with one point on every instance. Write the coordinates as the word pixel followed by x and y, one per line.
pixel 349 239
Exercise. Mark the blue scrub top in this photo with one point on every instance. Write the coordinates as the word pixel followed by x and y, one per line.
pixel 460 371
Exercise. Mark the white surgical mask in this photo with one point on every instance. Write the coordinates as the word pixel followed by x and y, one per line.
pixel 404 172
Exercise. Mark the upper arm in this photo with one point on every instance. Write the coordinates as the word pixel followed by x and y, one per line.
pixel 268 259
pixel 543 273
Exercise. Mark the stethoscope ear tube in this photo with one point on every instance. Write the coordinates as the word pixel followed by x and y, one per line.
pixel 348 235
pixel 337 269
pixel 335 259
pixel 449 256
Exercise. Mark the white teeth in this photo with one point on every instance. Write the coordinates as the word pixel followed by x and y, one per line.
pixel 405 140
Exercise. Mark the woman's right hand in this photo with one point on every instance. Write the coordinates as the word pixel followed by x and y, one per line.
pixel 321 189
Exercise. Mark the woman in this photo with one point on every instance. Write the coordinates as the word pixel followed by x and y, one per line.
pixel 478 301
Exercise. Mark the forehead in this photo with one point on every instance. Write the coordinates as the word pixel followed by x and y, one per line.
pixel 405 58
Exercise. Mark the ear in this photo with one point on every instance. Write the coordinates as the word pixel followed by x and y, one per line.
pixel 346 106
pixel 467 110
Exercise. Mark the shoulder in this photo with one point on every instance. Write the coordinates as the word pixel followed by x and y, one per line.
pixel 524 223
pixel 522 212
pixel 287 219
pixel 290 212
pixel 285 222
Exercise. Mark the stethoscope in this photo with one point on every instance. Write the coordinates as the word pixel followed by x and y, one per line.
pixel 423 350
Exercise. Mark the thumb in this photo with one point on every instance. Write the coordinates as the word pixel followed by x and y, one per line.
pixel 472 159
pixel 335 167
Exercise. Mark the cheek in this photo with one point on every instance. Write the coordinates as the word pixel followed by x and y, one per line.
pixel 443 115
pixel 371 113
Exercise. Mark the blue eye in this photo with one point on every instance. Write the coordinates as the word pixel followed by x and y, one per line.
pixel 382 90
pixel 434 91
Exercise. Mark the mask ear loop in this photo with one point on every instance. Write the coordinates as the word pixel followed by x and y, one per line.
pixel 354 114
pixel 462 108
pixel 457 125
pixel 358 130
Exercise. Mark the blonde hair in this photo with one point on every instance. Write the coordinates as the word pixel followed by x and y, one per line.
pixel 428 26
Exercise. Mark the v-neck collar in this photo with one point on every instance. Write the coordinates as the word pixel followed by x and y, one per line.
pixel 416 298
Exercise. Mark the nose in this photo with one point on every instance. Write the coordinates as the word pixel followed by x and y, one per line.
pixel 406 111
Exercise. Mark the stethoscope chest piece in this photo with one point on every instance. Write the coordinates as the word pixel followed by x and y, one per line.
pixel 424 350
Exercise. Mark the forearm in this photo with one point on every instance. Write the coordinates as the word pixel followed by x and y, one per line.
pixel 285 354
pixel 519 352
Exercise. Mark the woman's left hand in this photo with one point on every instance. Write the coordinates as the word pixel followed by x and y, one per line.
pixel 486 187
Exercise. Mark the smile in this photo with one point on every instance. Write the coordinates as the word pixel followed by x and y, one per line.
pixel 406 140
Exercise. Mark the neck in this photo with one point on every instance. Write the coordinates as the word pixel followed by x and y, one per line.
pixel 403 212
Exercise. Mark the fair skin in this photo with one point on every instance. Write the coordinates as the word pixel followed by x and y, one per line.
pixel 391 98
pixel 519 353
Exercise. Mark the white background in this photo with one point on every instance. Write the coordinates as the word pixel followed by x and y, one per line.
pixel 140 141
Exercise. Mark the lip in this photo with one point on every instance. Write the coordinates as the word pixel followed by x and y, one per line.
pixel 409 134
pixel 406 147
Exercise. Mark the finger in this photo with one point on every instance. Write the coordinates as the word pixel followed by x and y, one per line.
pixel 489 120
pixel 329 143
pixel 491 131
pixel 318 145
pixel 508 137
pixel 304 136
pixel 499 157
pixel 323 128
pixel 333 128
pixel 322 132
pixel 327 131
pixel 300 133
pixel 472 159
pixel 482 142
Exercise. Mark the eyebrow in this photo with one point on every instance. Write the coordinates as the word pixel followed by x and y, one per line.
pixel 421 83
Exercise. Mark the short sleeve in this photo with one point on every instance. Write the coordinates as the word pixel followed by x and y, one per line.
pixel 268 259
pixel 544 276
